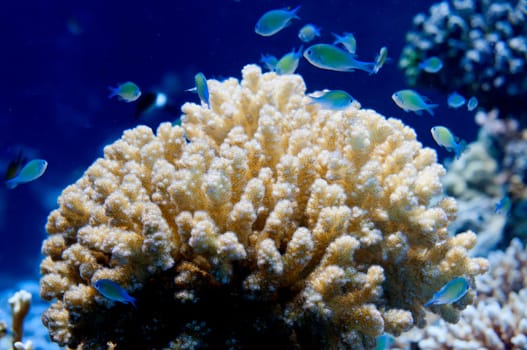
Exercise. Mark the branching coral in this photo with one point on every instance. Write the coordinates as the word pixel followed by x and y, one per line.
pixel 20 303
pixel 278 224
pixel 483 46
pixel 493 167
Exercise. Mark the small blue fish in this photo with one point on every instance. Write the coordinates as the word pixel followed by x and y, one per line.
pixel 308 32
pixel 31 171
pixel 472 104
pixel 113 291
pixel 347 40
pixel 444 137
pixel 450 292
pixel 274 21
pixel 289 62
pixel 333 99
pixel 409 100
pixel 380 59
pixel 331 57
pixel 455 100
pixel 202 89
pixel 503 206
pixel 269 61
pixel 431 64
pixel 128 92
pixel 384 341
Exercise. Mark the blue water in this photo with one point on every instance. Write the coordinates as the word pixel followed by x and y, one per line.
pixel 59 57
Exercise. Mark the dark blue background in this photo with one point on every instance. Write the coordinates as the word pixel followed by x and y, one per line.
pixel 59 57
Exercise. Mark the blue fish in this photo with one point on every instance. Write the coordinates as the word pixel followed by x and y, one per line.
pixel 128 92
pixel 113 291
pixel 308 32
pixel 450 292
pixel 503 206
pixel 274 21
pixel 431 64
pixel 333 99
pixel 331 57
pixel 269 61
pixel 380 59
pixel 289 62
pixel 384 341
pixel 455 100
pixel 202 89
pixel 30 172
pixel 410 100
pixel 472 103
pixel 444 137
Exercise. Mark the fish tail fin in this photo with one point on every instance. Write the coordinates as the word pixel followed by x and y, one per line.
pixel 460 148
pixel 294 11
pixel 429 109
pixel 368 67
pixel 113 91
pixel 300 50
pixel 132 301
pixel 338 38
pixel 429 302
pixel 10 184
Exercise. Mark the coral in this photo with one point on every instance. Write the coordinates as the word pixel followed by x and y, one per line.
pixel 23 346
pixel 498 320
pixel 36 336
pixel 277 224
pixel 20 303
pixel 3 329
pixel 493 167
pixel 483 46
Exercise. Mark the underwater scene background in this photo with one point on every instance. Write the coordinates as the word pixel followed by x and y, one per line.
pixel 59 59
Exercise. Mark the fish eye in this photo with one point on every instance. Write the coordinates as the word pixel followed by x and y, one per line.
pixel 309 52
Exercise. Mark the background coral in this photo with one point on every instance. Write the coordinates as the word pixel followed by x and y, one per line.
pixel 483 46
pixel 492 168
pixel 278 223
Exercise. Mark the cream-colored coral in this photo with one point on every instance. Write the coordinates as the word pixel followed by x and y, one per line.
pixel 20 303
pixel 326 217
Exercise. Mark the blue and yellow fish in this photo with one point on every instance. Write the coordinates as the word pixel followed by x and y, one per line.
pixel 269 61
pixel 455 100
pixel 202 88
pixel 431 64
pixel 503 206
pixel 289 62
pixel 384 341
pixel 331 57
pixel 450 292
pixel 333 99
pixel 113 291
pixel 472 104
pixel 128 92
pixel 31 171
pixel 308 32
pixel 411 101
pixel 274 21
pixel 444 137
pixel 380 59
